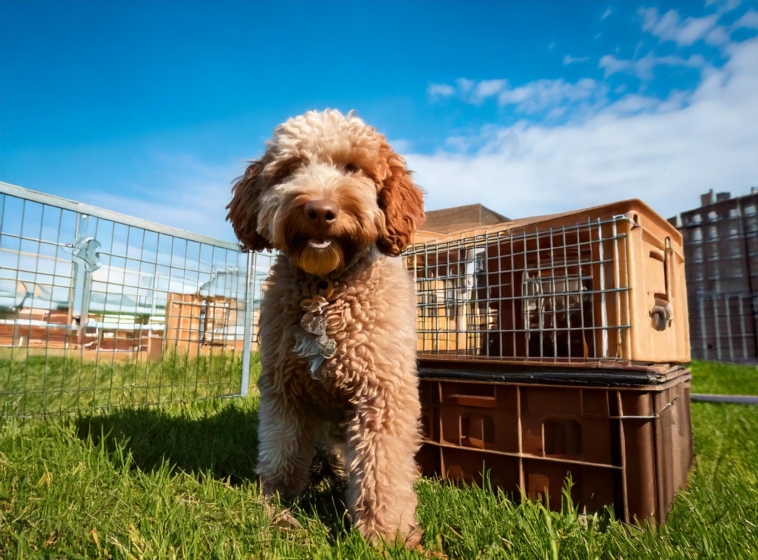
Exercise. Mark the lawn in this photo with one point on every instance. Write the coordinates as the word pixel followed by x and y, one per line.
pixel 177 481
pixel 37 384
pixel 726 379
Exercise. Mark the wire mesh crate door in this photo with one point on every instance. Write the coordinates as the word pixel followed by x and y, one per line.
pixel 557 320
pixel 552 294
pixel 451 292
pixel 561 292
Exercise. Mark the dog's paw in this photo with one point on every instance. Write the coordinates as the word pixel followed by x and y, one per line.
pixel 410 541
pixel 285 520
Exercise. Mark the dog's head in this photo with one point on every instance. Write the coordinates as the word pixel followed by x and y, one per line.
pixel 327 188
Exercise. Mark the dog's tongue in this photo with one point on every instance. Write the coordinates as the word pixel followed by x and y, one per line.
pixel 319 244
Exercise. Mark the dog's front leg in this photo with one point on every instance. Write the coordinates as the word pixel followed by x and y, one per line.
pixel 285 444
pixel 382 442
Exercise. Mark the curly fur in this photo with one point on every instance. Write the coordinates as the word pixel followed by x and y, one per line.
pixel 369 387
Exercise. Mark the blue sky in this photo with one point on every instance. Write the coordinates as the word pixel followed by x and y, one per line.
pixel 151 108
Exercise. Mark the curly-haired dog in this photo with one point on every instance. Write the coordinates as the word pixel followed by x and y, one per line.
pixel 337 321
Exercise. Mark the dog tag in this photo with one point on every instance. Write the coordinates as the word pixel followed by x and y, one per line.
pixel 314 324
pixel 315 363
pixel 327 346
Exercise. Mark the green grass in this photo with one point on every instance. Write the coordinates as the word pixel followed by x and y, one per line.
pixel 725 379
pixel 177 481
pixel 40 384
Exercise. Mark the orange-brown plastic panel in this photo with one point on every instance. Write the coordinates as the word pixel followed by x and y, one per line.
pixel 628 448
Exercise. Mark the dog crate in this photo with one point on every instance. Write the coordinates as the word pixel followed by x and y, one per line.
pixel 602 286
pixel 625 447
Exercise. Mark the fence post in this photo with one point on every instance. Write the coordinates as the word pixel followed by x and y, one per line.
pixel 84 253
pixel 247 331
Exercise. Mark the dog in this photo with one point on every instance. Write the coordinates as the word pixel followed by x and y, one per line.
pixel 337 318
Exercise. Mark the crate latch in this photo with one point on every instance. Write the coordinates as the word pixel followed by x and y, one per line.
pixel 662 312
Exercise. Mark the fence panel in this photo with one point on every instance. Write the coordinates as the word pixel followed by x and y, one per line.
pixel 99 309
pixel 722 327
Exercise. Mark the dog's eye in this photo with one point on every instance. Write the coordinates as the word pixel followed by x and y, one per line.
pixel 351 168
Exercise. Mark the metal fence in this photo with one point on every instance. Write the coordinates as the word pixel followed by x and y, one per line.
pixel 722 327
pixel 721 247
pixel 100 309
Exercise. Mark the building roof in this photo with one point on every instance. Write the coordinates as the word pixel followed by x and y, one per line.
pixel 460 218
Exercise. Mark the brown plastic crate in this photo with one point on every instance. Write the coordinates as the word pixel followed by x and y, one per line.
pixel 602 286
pixel 627 447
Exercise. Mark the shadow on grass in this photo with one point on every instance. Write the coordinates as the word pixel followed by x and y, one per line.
pixel 221 443
pixel 325 497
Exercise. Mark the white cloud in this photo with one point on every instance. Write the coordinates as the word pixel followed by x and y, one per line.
pixel 533 97
pixel 723 5
pixel 436 91
pixel 632 103
pixel 468 91
pixel 643 67
pixel 568 59
pixel 551 46
pixel 668 27
pixel 606 13
pixel 540 95
pixel 464 85
pixel 485 89
pixel 749 20
pixel 664 152
pixel 717 36
pixel 693 29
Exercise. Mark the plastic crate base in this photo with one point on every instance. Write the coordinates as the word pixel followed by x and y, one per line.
pixel 625 447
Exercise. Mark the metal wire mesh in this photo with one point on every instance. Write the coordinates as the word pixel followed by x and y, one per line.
pixel 99 309
pixel 721 246
pixel 722 327
pixel 554 295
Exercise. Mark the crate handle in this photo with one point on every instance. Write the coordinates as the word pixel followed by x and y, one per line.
pixel 478 401
pixel 658 255
pixel 662 312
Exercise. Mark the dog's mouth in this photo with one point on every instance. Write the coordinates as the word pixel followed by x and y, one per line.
pixel 319 244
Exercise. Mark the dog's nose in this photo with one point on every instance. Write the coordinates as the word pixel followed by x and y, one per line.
pixel 321 213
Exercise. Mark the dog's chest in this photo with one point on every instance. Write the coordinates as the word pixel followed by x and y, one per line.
pixel 333 322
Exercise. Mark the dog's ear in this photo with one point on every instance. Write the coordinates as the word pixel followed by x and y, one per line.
pixel 403 205
pixel 243 208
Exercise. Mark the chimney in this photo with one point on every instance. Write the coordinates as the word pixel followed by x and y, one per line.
pixel 723 196
pixel 753 190
pixel 707 198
